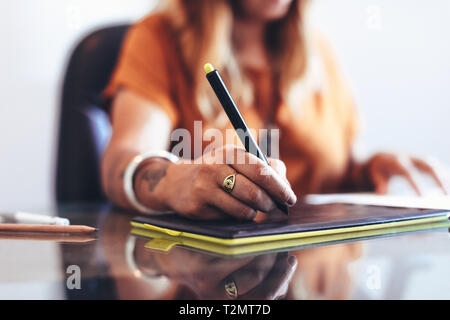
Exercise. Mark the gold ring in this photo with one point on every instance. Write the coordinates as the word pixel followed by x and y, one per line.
pixel 231 289
pixel 228 183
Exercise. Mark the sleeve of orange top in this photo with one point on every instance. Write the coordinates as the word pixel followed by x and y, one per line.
pixel 142 67
pixel 344 99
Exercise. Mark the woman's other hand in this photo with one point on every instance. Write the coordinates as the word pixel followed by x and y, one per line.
pixel 383 166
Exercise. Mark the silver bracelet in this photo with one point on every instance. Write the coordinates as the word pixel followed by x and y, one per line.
pixel 129 176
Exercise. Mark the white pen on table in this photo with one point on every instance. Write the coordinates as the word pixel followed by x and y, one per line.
pixel 32 218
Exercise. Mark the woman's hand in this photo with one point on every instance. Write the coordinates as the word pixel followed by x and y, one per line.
pixel 194 188
pixel 383 166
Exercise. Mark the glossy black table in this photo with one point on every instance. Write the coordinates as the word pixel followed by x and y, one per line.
pixel 113 264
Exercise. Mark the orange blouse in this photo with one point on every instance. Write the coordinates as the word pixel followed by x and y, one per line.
pixel 315 141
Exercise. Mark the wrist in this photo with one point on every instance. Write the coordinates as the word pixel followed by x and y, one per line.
pixel 153 176
pixel 146 180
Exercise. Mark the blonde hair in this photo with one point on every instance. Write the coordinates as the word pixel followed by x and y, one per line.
pixel 204 31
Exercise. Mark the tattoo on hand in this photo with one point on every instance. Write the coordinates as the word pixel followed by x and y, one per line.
pixel 155 174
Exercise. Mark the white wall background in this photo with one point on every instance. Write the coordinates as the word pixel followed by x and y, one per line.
pixel 396 54
pixel 36 39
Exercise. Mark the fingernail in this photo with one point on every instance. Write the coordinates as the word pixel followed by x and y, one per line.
pixel 292 200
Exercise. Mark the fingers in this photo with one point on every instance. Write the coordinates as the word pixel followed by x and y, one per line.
pixel 278 166
pixel 208 213
pixel 245 198
pixel 403 171
pixel 380 182
pixel 247 192
pixel 408 176
pixel 385 166
pixel 252 195
pixel 403 166
pixel 264 176
pixel 203 212
pixel 231 206
pixel 257 186
pixel 427 168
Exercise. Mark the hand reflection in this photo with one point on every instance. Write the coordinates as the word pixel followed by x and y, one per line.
pixel 323 272
pixel 262 277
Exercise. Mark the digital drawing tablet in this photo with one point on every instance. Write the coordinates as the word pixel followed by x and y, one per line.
pixel 303 221
pixel 163 242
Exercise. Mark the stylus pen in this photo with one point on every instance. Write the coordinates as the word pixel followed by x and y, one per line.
pixel 236 119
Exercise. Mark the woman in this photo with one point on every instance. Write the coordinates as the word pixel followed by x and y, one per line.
pixel 281 76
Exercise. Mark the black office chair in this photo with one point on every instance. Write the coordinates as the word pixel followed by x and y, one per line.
pixel 84 127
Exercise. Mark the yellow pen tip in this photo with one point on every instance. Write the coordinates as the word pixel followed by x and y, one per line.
pixel 208 68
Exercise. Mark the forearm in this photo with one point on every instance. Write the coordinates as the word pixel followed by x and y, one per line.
pixel 114 164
